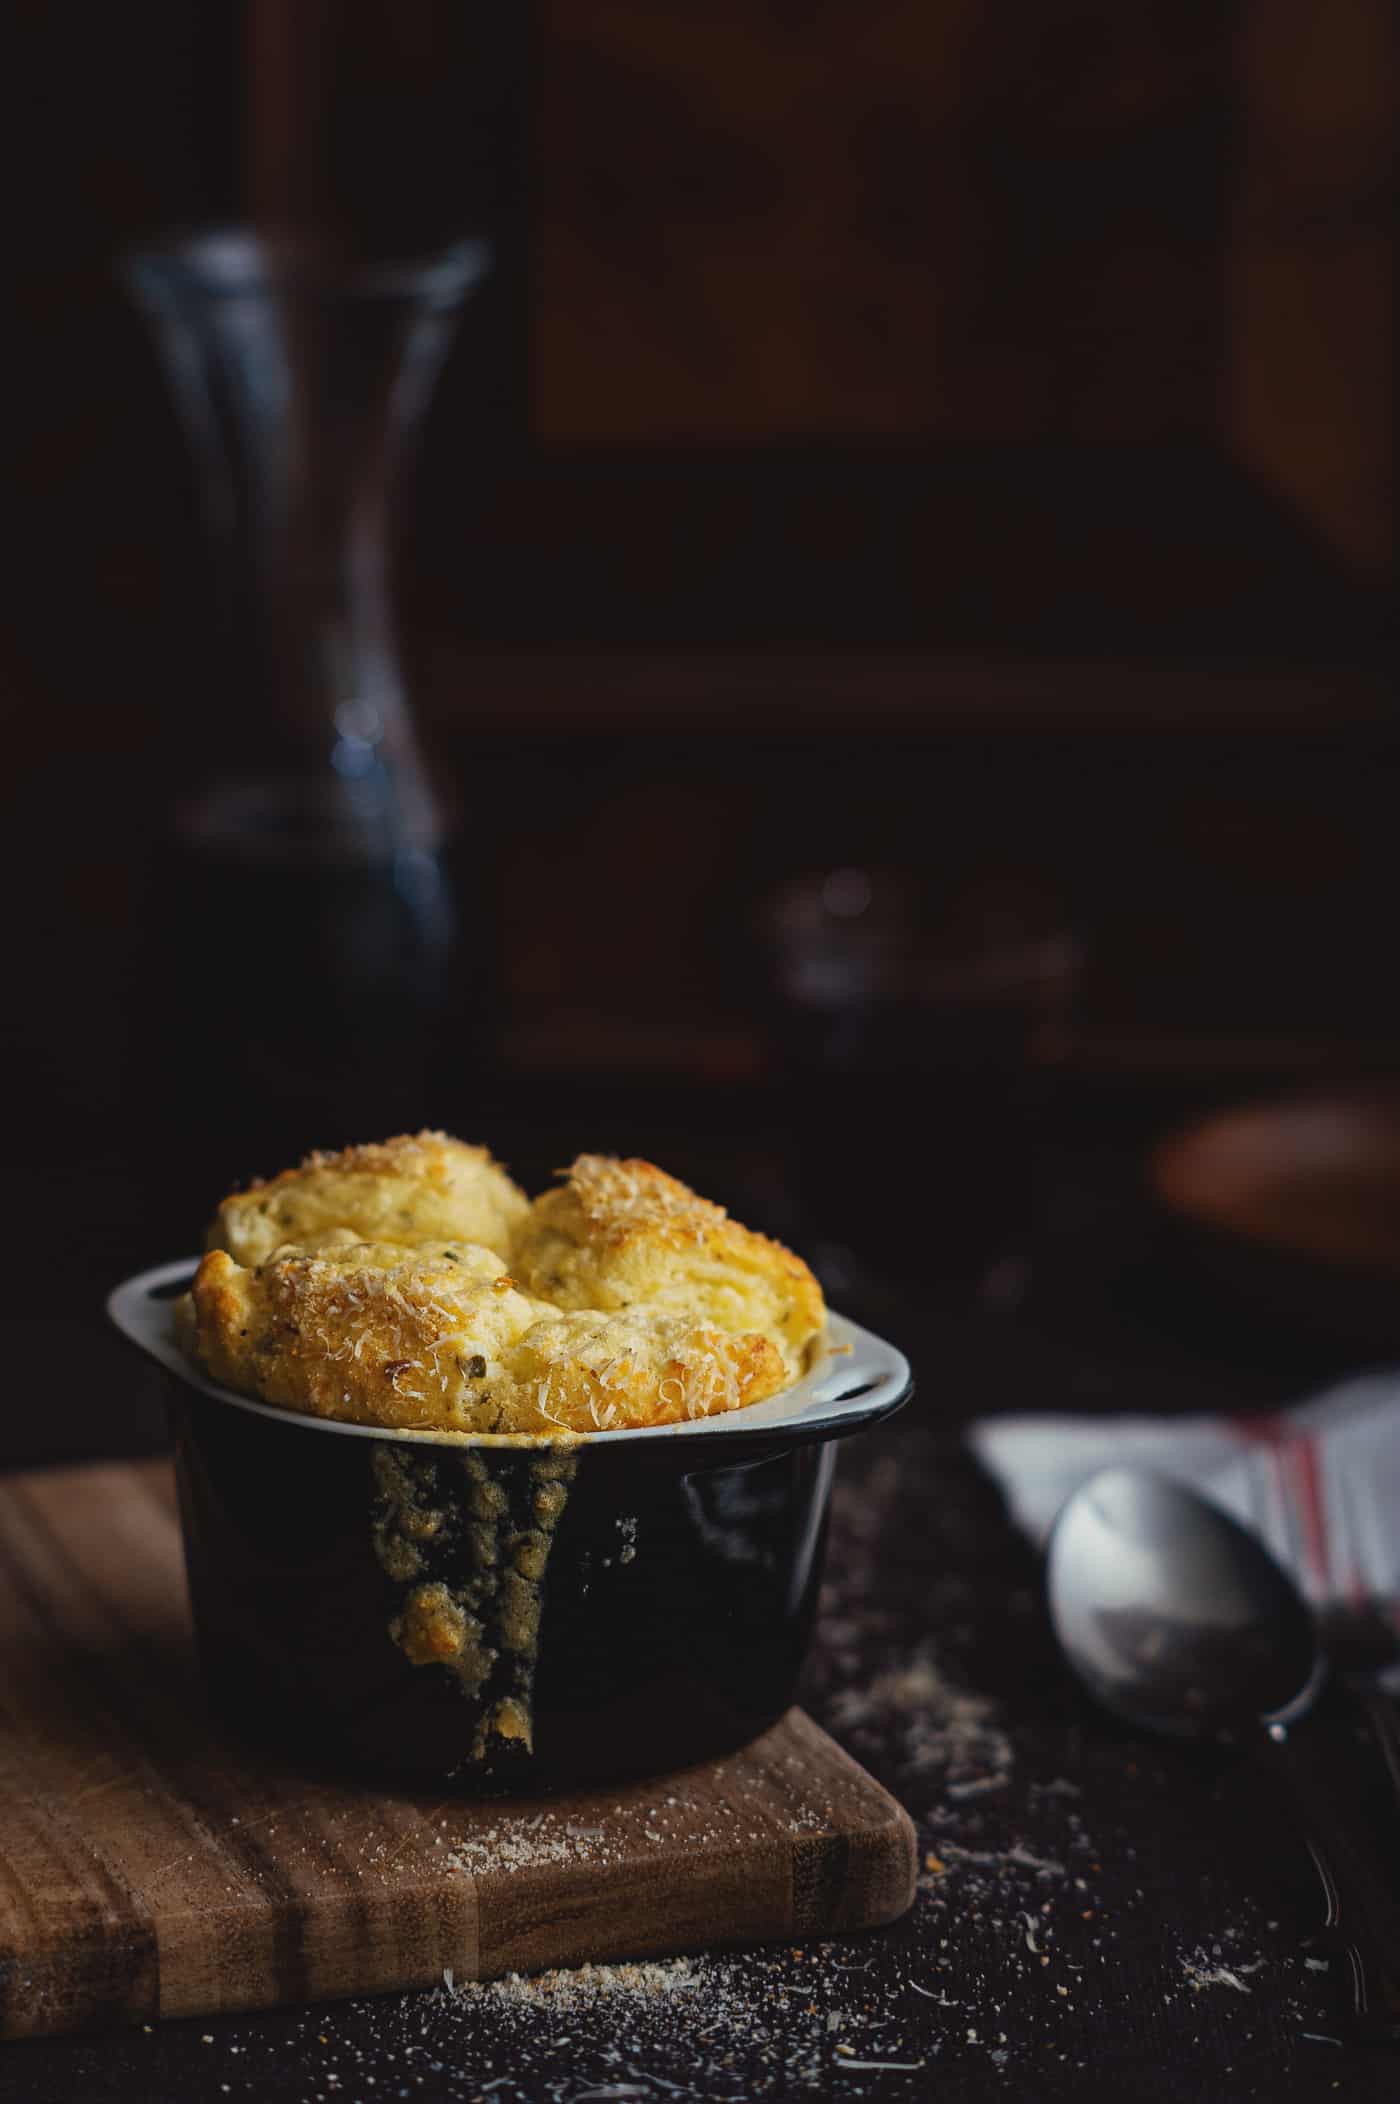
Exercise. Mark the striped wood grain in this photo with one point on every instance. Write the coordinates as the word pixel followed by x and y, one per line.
pixel 148 1867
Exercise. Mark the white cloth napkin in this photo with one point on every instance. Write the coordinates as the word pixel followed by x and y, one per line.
pixel 1320 1482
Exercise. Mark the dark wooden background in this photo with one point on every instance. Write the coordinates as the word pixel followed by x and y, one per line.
pixel 951 435
pixel 948 438
pixel 945 438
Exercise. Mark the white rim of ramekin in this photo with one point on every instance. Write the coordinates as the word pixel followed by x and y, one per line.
pixel 855 1378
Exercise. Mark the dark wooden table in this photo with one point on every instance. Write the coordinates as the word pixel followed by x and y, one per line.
pixel 1099 1916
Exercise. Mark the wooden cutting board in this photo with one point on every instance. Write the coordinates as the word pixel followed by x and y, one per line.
pixel 148 1867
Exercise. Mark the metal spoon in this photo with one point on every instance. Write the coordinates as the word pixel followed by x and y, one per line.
pixel 1178 1619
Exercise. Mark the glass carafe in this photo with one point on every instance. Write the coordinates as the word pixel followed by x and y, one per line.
pixel 310 923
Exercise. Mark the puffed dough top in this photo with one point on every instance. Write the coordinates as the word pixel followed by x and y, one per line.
pixel 412 1285
pixel 368 1332
pixel 616 1233
pixel 420 1187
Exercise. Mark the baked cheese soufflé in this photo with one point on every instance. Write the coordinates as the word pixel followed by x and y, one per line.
pixel 411 1284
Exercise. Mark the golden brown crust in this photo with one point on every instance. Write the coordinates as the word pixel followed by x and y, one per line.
pixel 618 1232
pixel 588 1372
pixel 418 1338
pixel 420 1187
pixel 629 1301
pixel 369 1333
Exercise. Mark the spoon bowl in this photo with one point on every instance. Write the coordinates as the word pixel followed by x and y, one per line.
pixel 1172 1614
pixel 1178 1619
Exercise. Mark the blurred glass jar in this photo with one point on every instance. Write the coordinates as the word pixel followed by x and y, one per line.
pixel 309 944
pixel 916 1024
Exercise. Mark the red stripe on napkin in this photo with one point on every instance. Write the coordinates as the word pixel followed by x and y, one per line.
pixel 1307 1471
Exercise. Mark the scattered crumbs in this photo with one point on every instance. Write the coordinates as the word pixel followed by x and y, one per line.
pixel 528 1844
pixel 977 1786
pixel 1011 1954
pixel 1017 1856
pixel 938 1727
pixel 1201 1974
pixel 941 1999
pixel 578 1986
pixel 906 2064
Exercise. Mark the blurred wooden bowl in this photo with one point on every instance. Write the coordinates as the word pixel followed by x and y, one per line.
pixel 1296 1202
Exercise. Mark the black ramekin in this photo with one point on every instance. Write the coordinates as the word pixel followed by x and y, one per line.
pixel 635 1602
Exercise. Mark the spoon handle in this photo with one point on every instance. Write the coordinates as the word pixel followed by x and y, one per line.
pixel 1384 1719
pixel 1363 1913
